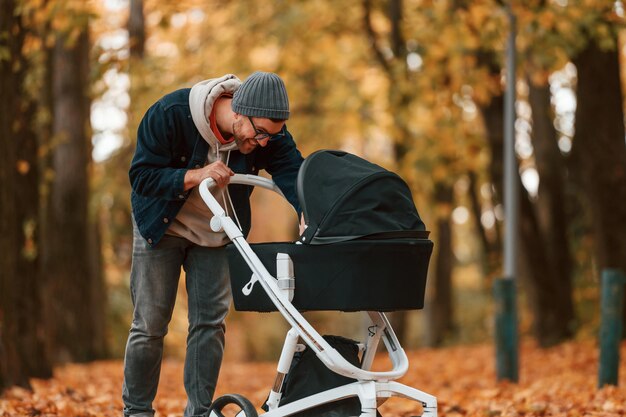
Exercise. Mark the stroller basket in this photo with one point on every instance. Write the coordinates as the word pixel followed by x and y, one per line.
pixel 358 275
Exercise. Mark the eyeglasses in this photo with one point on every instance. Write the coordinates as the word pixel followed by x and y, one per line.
pixel 260 135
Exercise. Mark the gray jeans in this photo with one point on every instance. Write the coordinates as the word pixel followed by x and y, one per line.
pixel 153 283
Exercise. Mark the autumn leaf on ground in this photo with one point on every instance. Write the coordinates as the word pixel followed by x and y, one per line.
pixel 560 381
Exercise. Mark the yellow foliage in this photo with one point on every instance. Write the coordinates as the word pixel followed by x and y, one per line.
pixel 265 57
pixel 479 13
pixel 547 19
pixel 564 26
pixel 439 173
pixel 31 44
pixel 341 96
pixel 443 210
pixel 539 77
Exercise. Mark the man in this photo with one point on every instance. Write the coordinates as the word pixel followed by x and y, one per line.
pixel 215 129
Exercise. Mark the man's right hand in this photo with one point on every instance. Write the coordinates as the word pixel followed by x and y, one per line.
pixel 217 170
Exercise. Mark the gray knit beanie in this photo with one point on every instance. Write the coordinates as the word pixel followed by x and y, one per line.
pixel 263 94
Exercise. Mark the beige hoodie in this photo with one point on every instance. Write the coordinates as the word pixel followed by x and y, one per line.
pixel 193 220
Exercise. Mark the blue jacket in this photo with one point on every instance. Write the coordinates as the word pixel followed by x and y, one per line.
pixel 169 144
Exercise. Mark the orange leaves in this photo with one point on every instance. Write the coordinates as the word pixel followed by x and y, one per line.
pixel 92 390
pixel 23 167
pixel 560 381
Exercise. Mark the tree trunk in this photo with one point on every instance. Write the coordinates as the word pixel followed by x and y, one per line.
pixel 22 348
pixel 441 313
pixel 491 244
pixel 136 29
pixel 31 340
pixel 600 153
pixel 545 297
pixel 74 310
pixel 552 216
pixel 137 35
pixel 11 370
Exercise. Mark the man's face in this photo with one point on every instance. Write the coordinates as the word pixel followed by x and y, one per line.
pixel 250 132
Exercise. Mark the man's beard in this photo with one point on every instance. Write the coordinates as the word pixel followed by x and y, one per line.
pixel 244 145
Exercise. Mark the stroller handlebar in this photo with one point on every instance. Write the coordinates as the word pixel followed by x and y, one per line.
pixel 245 179
pixel 218 212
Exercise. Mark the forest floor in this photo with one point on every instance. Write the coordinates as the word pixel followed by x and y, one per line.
pixel 560 381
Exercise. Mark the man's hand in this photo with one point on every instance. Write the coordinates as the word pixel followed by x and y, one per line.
pixel 216 170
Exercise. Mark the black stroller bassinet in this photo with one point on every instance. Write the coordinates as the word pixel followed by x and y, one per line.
pixel 365 247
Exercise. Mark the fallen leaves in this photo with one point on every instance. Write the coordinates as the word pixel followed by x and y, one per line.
pixel 560 381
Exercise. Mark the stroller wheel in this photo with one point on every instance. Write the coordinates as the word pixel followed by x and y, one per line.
pixel 244 408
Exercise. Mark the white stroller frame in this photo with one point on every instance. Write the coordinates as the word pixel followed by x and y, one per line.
pixel 369 385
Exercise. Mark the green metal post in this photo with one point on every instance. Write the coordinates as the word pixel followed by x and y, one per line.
pixel 504 289
pixel 506 330
pixel 612 307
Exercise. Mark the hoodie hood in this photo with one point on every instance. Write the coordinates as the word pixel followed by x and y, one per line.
pixel 201 100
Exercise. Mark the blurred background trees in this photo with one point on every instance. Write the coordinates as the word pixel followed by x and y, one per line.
pixel 413 85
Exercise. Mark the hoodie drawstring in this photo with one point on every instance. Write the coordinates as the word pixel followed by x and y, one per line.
pixel 225 193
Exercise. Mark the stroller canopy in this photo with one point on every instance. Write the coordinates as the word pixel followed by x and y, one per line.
pixel 344 197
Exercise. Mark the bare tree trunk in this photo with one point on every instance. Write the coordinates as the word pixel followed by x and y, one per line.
pixel 137 35
pixel 600 153
pixel 493 116
pixel 22 349
pixel 74 310
pixel 545 296
pixel 491 245
pixel 441 313
pixel 552 217
pixel 31 340
pixel 136 29
pixel 11 370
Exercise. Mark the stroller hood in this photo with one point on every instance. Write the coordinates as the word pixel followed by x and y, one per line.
pixel 344 197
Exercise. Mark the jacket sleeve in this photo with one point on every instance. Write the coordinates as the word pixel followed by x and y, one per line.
pixel 283 165
pixel 152 173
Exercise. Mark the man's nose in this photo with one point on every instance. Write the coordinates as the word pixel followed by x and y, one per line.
pixel 263 142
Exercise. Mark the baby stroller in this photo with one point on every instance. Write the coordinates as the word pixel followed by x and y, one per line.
pixel 364 249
